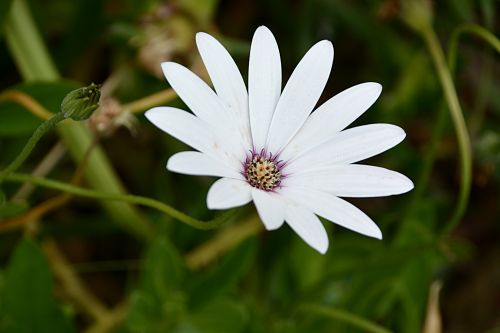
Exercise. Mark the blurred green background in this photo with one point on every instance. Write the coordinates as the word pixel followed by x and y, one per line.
pixel 73 264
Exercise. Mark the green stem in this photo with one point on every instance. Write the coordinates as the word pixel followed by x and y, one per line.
pixel 133 199
pixel 344 316
pixel 494 42
pixel 440 122
pixel 34 62
pixel 44 128
pixel 473 29
pixel 486 75
pixel 456 113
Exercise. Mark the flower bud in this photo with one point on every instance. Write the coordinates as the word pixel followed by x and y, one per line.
pixel 417 13
pixel 81 103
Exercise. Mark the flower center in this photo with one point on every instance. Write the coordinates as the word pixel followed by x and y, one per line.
pixel 263 173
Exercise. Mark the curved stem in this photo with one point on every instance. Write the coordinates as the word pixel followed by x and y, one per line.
pixel 36 213
pixel 344 316
pixel 494 42
pixel 30 145
pixel 27 101
pixel 486 74
pixel 134 199
pixel 456 113
pixel 440 121
pixel 473 29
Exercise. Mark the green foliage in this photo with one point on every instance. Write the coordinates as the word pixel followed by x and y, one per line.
pixel 28 303
pixel 164 301
pixel 306 266
pixel 159 301
pixel 225 276
pixel 221 315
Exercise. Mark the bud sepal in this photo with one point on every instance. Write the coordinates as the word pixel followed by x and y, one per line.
pixel 81 103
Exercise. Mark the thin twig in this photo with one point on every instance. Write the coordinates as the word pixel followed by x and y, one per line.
pixel 224 241
pixel 36 213
pixel 150 101
pixel 27 101
pixel 41 170
pixel 72 284
pixel 433 321
pixel 110 320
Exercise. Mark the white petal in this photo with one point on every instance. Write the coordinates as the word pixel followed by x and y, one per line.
pixel 270 207
pixel 353 180
pixel 192 131
pixel 350 146
pixel 335 209
pixel 199 164
pixel 307 226
pixel 264 84
pixel 333 116
pixel 183 126
pixel 228 193
pixel 227 81
pixel 197 95
pixel 300 95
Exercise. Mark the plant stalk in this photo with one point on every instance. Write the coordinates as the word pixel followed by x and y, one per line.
pixel 129 198
pixel 41 130
pixel 456 113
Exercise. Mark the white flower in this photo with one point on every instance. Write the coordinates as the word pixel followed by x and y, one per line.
pixel 270 149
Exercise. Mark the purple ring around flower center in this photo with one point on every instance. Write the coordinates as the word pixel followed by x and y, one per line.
pixel 263 170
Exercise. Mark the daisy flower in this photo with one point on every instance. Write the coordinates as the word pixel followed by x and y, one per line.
pixel 270 147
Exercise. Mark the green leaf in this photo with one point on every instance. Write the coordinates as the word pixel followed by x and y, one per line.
pixel 163 269
pixel 28 298
pixel 16 121
pixel 4 11
pixel 220 316
pixel 158 303
pixel 235 265
pixel 306 264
